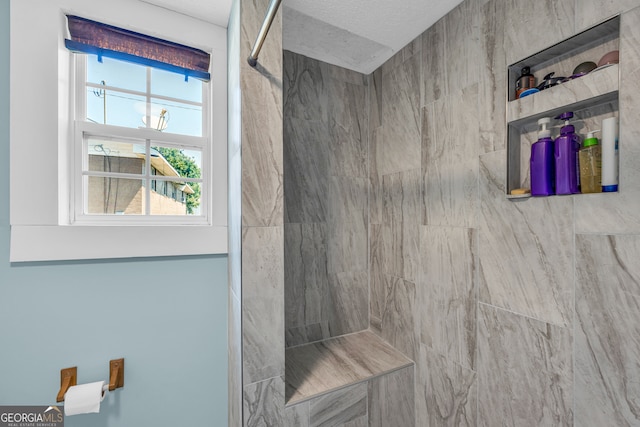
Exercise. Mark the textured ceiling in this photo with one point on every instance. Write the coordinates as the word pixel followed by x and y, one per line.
pixel 356 34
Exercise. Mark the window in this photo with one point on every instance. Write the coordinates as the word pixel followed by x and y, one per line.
pixel 133 122
pixel 43 137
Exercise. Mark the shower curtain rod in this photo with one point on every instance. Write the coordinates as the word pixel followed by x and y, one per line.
pixel 266 24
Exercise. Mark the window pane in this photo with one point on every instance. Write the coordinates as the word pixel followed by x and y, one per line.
pixel 173 85
pixel 116 73
pixel 122 109
pixel 115 196
pixel 174 198
pixel 183 119
pixel 170 161
pixel 107 155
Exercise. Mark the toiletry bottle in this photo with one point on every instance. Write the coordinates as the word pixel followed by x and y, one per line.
pixel 566 150
pixel 590 159
pixel 541 163
pixel 525 81
pixel 610 155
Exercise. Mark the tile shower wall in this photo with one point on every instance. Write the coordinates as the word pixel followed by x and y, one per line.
pixel 325 193
pixel 257 237
pixel 521 313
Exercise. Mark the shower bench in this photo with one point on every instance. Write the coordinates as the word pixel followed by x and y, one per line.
pixel 322 367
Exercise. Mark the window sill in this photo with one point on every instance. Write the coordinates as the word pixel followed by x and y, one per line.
pixel 62 243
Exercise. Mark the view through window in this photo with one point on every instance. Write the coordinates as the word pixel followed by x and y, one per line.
pixel 144 137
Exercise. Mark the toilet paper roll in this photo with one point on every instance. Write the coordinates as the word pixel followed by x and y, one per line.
pixel 85 398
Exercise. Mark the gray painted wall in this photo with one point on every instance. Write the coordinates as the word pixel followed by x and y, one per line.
pixel 167 317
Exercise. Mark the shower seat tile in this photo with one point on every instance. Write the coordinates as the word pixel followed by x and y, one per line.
pixel 348 405
pixel 318 368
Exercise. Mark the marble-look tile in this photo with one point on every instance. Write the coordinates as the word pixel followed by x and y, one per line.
pixel 413 48
pixel 262 165
pixel 447 293
pixel 347 225
pixel 492 87
pixel 402 194
pixel 264 403
pixel 347 200
pixel 620 212
pixel 462 46
pixel 391 399
pixel 433 82
pixel 305 88
pixel 525 371
pixel 400 145
pixel 394 249
pixel 349 302
pixel 340 407
pixel 347 126
pixel 525 249
pixel 450 146
pixel 261 92
pixel 307 333
pixel 524 18
pixel 306 281
pixel 262 303
pixel 402 211
pixel 262 85
pixel 607 342
pixel 347 246
pixel 297 415
pixel 592 12
pixel 446 393
pixel 345 75
pixel 375 177
pixel 325 366
pixel 399 317
pixel 377 278
pixel 375 99
pixel 306 164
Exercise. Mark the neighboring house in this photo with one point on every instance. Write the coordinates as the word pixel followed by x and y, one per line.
pixel 126 196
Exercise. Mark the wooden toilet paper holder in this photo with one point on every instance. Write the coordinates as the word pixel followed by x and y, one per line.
pixel 68 378
pixel 116 374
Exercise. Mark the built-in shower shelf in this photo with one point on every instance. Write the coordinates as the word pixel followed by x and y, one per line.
pixel 591 97
pixel 318 368
pixel 595 88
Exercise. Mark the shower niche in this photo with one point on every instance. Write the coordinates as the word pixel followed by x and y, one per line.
pixel 592 97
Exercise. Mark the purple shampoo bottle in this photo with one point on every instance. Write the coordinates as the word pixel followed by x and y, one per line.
pixel 567 146
pixel 542 163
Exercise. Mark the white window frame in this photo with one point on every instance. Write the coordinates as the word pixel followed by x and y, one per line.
pixel 83 127
pixel 42 137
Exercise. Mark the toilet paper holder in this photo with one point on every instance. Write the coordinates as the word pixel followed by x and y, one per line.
pixel 116 374
pixel 69 377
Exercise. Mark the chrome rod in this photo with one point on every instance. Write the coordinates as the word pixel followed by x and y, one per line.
pixel 262 35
